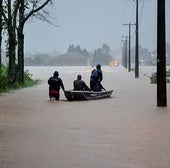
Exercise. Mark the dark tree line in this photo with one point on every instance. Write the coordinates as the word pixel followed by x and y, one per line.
pixel 101 55
pixel 13 16
pixel 77 49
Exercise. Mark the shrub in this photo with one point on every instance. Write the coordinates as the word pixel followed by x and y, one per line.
pixel 28 81
pixel 4 86
pixel 3 79
pixel 3 83
pixel 153 78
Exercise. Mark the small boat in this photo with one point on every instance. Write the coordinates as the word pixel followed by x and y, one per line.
pixel 73 95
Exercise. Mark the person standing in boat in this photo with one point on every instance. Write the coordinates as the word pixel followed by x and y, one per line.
pixel 96 78
pixel 55 83
pixel 80 85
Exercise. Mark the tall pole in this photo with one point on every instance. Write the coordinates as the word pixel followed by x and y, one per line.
pixel 161 55
pixel 126 49
pixel 129 60
pixel 125 52
pixel 137 45
pixel 129 56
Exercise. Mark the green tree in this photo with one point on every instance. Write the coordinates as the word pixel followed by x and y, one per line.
pixel 15 14
pixel 144 54
pixel 78 49
pixel 103 55
pixel 71 48
pixel 10 17
pixel 105 49
pixel 84 52
pixel 33 8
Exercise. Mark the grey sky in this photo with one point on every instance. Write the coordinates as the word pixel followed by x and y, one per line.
pixel 91 23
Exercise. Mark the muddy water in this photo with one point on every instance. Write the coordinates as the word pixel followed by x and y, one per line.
pixel 124 131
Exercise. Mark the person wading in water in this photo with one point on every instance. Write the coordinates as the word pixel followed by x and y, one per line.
pixel 55 83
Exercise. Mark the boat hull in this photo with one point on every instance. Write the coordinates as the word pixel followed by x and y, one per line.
pixel 73 95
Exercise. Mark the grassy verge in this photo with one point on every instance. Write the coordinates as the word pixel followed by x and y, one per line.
pixel 153 77
pixel 5 87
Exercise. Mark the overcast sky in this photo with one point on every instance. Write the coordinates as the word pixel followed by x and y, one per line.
pixel 91 23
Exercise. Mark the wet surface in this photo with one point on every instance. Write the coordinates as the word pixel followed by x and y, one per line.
pixel 124 131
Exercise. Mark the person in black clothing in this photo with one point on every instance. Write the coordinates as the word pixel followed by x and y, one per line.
pixel 96 78
pixel 80 85
pixel 55 83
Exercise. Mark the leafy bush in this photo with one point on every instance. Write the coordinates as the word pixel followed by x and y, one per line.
pixel 153 78
pixel 4 86
pixel 28 81
pixel 3 79
pixel 3 83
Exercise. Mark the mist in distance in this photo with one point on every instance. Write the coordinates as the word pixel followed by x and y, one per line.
pixel 92 23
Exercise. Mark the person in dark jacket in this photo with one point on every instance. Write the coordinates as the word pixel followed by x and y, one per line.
pixel 96 78
pixel 80 85
pixel 55 83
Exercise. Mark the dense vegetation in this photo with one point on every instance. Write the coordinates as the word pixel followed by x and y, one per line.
pixel 5 86
pixel 101 55
pixel 13 16
pixel 146 57
pixel 153 77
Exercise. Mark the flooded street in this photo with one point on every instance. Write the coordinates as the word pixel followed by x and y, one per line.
pixel 127 130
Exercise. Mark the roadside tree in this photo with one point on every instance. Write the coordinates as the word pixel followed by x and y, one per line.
pixel 15 14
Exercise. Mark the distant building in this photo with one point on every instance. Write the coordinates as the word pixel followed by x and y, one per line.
pixel 69 59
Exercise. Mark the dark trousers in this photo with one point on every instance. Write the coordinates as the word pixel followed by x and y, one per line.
pixel 95 85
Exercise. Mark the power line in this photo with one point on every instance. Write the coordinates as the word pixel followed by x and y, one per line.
pixel 141 12
pixel 137 40
pixel 129 56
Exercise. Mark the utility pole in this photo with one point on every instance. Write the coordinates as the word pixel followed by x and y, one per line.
pixel 137 44
pixel 129 58
pixel 125 52
pixel 161 55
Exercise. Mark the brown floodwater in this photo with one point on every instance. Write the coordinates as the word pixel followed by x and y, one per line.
pixel 127 130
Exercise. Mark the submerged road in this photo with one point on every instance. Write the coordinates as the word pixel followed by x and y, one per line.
pixel 124 131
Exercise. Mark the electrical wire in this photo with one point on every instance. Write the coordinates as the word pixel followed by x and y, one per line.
pixel 141 14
